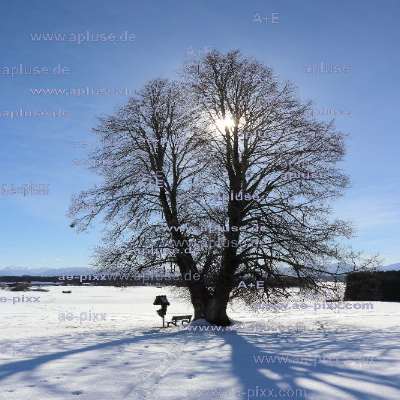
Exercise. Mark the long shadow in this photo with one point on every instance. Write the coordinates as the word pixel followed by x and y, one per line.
pixel 304 379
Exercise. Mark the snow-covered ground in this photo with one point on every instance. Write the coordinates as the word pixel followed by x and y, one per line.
pixel 105 343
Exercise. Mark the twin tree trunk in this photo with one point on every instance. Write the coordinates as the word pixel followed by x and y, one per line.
pixel 211 307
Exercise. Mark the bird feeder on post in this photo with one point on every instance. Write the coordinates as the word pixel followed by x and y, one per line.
pixel 164 303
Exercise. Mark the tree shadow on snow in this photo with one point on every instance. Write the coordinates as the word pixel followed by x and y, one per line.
pixel 317 376
pixel 301 376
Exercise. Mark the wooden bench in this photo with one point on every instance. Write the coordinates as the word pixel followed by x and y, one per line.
pixel 183 318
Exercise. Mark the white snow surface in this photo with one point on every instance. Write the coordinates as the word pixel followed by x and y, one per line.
pixel 106 343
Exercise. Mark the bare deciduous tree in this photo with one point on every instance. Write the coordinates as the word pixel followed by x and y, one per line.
pixel 226 175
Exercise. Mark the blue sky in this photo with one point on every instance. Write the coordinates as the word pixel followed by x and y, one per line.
pixel 363 36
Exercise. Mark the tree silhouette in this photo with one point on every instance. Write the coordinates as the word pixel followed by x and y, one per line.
pixel 225 174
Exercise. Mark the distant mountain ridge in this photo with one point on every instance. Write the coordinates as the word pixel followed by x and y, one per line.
pixel 391 267
pixel 19 271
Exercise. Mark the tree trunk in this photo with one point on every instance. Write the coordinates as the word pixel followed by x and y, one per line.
pixel 218 303
pixel 199 298
pixel 216 311
pixel 198 292
pixel 212 309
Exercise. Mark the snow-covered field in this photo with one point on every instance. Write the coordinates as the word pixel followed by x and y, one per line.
pixel 105 343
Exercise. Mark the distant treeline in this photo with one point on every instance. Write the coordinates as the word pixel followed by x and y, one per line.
pixel 282 281
pixel 373 286
pixel 28 278
pixel 76 281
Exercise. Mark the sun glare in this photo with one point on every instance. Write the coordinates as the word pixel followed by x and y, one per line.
pixel 224 123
